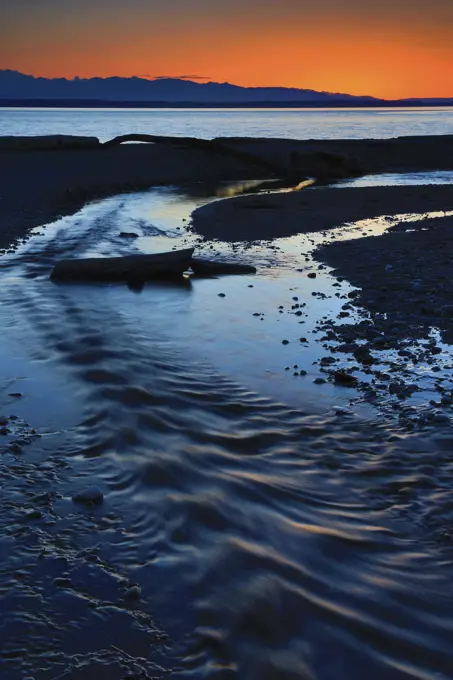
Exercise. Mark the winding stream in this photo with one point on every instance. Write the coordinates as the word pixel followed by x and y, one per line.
pixel 271 538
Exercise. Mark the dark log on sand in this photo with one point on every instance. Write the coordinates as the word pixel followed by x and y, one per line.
pixel 131 268
pixel 209 145
pixel 202 267
pixel 140 268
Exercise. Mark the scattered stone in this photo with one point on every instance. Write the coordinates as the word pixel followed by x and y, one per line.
pixel 128 234
pixel 440 419
pixel 62 582
pixel 15 447
pixel 33 514
pixel 312 275
pixel 133 593
pixel 319 381
pixel 342 411
pixel 91 495
pixel 285 342
pixel 342 377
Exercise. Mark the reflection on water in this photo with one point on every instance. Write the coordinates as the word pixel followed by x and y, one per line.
pixel 399 179
pixel 304 123
pixel 270 538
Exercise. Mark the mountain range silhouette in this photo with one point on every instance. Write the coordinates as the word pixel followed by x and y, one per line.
pixel 16 86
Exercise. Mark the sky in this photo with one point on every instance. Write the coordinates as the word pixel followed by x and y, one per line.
pixel 384 48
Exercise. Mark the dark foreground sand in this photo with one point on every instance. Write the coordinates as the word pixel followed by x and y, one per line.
pixel 39 186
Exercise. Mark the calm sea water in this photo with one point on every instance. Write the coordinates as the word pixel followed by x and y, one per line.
pixel 210 123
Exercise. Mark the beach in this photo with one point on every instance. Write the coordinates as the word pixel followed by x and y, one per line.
pixel 264 457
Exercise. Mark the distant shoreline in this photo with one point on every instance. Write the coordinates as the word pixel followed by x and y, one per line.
pixel 105 104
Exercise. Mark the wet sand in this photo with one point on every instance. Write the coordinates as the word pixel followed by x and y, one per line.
pixel 251 218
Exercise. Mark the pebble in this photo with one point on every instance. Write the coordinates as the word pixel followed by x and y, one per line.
pixel 440 419
pixel 342 377
pixel 90 495
pixel 342 411
pixel 133 593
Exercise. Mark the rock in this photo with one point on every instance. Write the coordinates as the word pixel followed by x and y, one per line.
pixel 62 582
pixel 91 495
pixel 342 377
pixel 440 419
pixel 15 447
pixel 133 593
pixel 33 514
pixel 348 347
pixel 362 354
pixel 128 234
pixel 395 388
pixel 221 294
pixel 285 342
pixel 16 395
pixel 312 275
pixel 319 381
pixel 342 411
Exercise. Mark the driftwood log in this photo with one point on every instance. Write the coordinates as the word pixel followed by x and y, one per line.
pixel 140 268
pixel 210 145
pixel 130 268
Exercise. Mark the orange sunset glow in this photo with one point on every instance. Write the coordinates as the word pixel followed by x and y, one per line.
pixel 396 52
